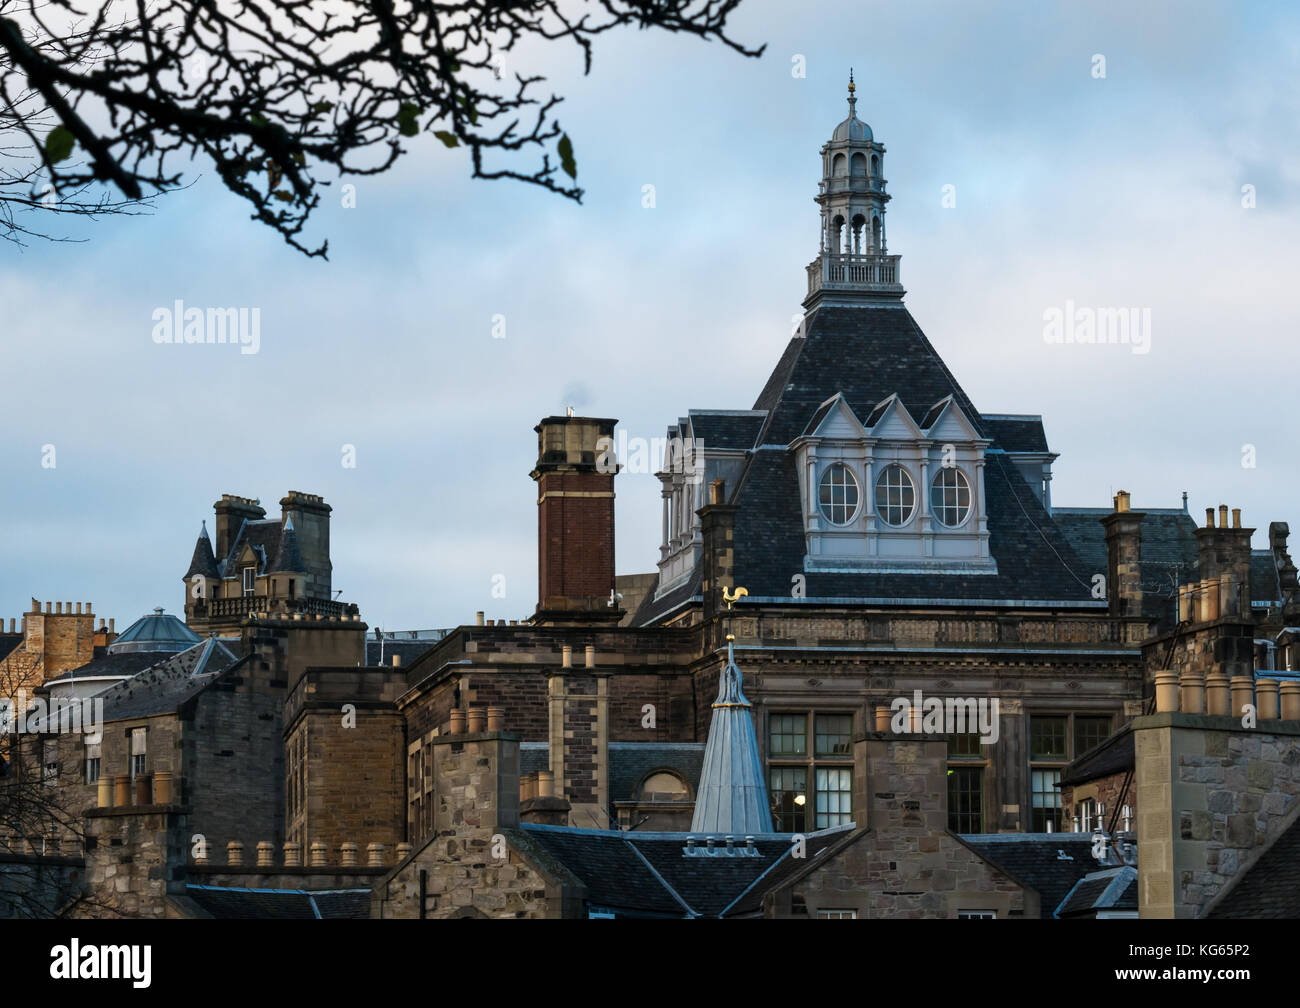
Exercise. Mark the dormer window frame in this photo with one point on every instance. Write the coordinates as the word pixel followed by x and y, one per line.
pixel 248 580
pixel 922 543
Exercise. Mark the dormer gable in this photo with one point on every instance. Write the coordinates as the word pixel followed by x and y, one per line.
pixel 835 419
pixel 946 421
pixel 891 421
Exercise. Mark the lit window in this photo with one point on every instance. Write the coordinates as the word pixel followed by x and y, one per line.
pixel 977 915
pixel 838 494
pixel 950 497
pixel 837 915
pixel 1047 799
pixel 789 794
pixel 895 495
pixel 834 797
pixel 249 574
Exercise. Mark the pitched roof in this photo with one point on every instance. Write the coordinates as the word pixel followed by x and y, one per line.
pixel 1107 889
pixel 262 535
pixel 1049 863
pixel 1016 433
pixel 281 904
pixel 1270 888
pixel 650 874
pixel 1034 560
pixel 1265 586
pixel 287 558
pixel 1169 554
pixel 8 642
pixel 1112 755
pixel 164 687
pixel 868 353
pixel 725 428
pixel 631 762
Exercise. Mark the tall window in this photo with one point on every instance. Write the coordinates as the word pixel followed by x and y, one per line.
pixel 1055 740
pixel 895 495
pixel 50 762
pixel 950 497
pixel 139 753
pixel 249 584
pixel 826 764
pixel 838 494
pixel 966 766
pixel 92 764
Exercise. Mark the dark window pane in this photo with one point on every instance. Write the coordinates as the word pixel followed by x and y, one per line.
pixel 1047 737
pixel 966 744
pixel 788 735
pixel 834 735
pixel 966 799
pixel 1089 731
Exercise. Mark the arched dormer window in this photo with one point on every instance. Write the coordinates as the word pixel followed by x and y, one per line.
pixel 664 786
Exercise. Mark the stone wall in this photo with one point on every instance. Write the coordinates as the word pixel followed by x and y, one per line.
pixel 1212 796
pixel 135 861
pixel 904 863
pixel 478 863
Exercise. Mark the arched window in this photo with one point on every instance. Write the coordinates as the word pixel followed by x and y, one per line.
pixel 875 166
pixel 837 494
pixel 663 785
pixel 837 234
pixel 875 232
pixel 840 165
pixel 950 497
pixel 859 224
pixel 859 165
pixel 895 495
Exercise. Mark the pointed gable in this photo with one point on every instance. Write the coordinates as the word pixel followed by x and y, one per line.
pixel 835 419
pixel 204 561
pixel 947 422
pixel 891 421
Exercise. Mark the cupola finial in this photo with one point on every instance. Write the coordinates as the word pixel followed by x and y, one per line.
pixel 853 100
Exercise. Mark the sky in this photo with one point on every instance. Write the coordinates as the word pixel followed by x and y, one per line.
pixel 1171 185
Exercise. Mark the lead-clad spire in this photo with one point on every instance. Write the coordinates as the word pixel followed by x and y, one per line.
pixel 732 796
pixel 853 263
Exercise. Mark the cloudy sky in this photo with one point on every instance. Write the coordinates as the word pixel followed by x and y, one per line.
pixel 1117 191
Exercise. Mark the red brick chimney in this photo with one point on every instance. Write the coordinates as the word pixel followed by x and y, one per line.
pixel 576 465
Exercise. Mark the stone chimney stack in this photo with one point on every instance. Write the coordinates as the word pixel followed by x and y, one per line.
pixel 717 529
pixel 231 512
pixel 1224 556
pixel 576 466
pixel 1124 558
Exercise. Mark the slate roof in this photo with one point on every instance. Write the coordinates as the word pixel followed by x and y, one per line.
pixel 281 904
pixel 204 560
pixel 1168 551
pixel 263 536
pixel 8 642
pixel 163 687
pixel 1265 587
pixel 1034 859
pixel 653 609
pixel 649 874
pixel 866 353
pixel 1035 561
pixel 127 663
pixel 1108 889
pixel 1270 888
pixel 1016 433
pixel 288 558
pixel 1111 756
pixel 726 428
pixel 394 643
pixel 631 762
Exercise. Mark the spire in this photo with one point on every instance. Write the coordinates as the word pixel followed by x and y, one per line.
pixel 204 562
pixel 288 558
pixel 853 101
pixel 732 796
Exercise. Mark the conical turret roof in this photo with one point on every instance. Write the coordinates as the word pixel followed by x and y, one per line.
pixel 204 561
pixel 732 796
